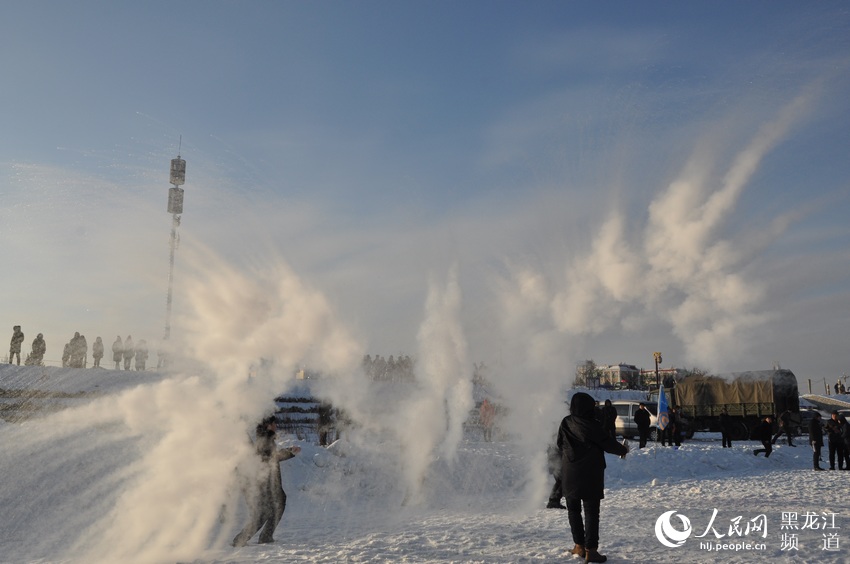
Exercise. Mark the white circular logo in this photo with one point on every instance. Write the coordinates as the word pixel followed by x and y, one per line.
pixel 667 534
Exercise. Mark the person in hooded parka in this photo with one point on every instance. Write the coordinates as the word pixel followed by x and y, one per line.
pixel 583 444
pixel 97 351
pixel 117 351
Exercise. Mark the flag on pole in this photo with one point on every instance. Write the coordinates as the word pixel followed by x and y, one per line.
pixel 663 416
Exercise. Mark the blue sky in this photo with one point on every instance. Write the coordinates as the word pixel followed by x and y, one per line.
pixel 606 180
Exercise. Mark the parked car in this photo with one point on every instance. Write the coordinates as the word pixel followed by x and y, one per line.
pixel 625 424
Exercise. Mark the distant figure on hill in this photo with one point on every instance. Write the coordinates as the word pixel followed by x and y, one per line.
pixel 117 352
pixel 79 350
pixel 609 418
pixel 66 355
pixel 764 433
pixel 97 352
pixel 39 349
pixel 129 352
pixel 15 345
pixel 141 355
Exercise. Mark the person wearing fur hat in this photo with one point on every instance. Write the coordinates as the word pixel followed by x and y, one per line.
pixel 583 444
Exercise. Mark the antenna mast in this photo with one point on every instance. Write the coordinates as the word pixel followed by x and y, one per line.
pixel 175 208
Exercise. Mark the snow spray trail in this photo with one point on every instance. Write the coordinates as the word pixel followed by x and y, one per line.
pixel 199 422
pixel 431 420
pixel 685 272
pixel 142 476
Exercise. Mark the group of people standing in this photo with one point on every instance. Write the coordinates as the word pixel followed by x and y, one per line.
pixel 75 352
pixel 126 351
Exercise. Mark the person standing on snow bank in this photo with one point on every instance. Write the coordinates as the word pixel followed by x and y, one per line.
pixel 264 490
pixel 15 345
pixel 39 349
pixel 117 352
pixel 129 352
pixel 97 352
pixel 141 355
pixel 583 444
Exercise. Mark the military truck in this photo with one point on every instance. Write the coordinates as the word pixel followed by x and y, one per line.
pixel 747 396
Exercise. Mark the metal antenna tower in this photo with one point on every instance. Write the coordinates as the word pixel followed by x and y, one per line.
pixel 175 208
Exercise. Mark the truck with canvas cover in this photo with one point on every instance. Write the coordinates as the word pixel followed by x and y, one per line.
pixel 747 397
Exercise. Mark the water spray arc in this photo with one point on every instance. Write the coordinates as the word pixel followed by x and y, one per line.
pixel 175 208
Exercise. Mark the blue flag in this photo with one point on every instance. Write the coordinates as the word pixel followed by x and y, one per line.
pixel 663 416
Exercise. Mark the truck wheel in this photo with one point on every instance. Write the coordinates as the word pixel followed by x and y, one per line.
pixel 653 434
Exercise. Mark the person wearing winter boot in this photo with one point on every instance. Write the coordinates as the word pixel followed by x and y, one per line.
pixel 583 444
pixel 265 494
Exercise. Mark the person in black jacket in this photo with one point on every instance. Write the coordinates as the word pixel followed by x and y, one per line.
pixel 583 444
pixel 642 420
pixel 609 418
pixel 836 443
pixel 264 488
pixel 764 433
pixel 816 439
pixel 726 428
pixel 785 426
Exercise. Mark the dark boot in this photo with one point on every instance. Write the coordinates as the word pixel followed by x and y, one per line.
pixel 578 550
pixel 592 555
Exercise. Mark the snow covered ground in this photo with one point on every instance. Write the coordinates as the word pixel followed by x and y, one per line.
pixel 68 478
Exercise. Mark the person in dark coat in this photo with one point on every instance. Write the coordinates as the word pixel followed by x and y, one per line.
pixel 845 436
pixel 39 349
pixel 726 428
pixel 642 420
pixel 325 423
pixel 553 457
pixel 671 433
pixel 97 352
pixel 816 439
pixel 836 443
pixel 141 355
pixel 266 497
pixel 117 352
pixel 764 433
pixel 583 444
pixel 609 418
pixel 15 344
pixel 129 351
pixel 785 426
